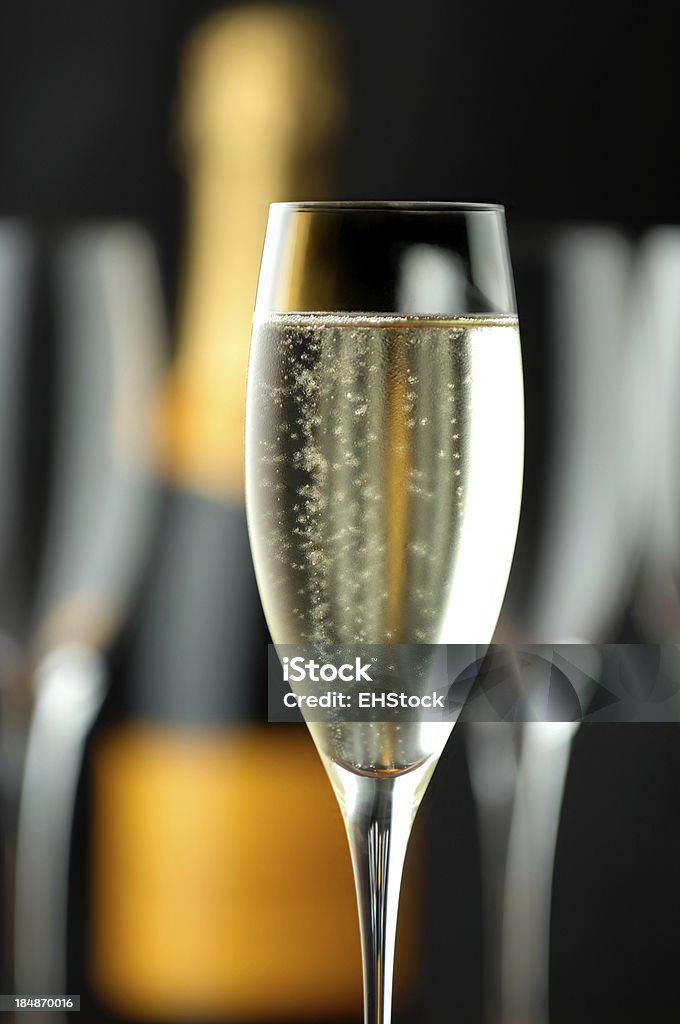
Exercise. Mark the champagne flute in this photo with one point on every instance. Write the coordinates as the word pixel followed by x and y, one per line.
pixel 384 452
pixel 575 557
pixel 107 352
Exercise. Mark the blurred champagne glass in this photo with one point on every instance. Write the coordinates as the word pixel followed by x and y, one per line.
pixel 110 340
pixel 17 260
pixel 576 554
pixel 17 265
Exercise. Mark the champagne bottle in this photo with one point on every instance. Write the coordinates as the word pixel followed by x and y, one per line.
pixel 220 887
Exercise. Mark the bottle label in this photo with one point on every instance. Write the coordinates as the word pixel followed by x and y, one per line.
pixel 222 883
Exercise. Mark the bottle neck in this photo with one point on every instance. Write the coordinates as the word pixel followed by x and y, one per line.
pixel 203 407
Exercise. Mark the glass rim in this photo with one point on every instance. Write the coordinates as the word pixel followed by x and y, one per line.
pixel 387 206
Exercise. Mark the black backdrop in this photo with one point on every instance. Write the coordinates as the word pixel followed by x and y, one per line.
pixel 562 110
pixel 565 109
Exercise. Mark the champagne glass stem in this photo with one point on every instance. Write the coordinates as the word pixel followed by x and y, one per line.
pixel 378 815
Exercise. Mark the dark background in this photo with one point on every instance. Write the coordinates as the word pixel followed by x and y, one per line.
pixel 562 111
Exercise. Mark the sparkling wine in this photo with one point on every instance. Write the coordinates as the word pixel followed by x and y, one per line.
pixel 384 459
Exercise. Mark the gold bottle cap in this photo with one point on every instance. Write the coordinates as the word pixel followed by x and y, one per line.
pixel 260 81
